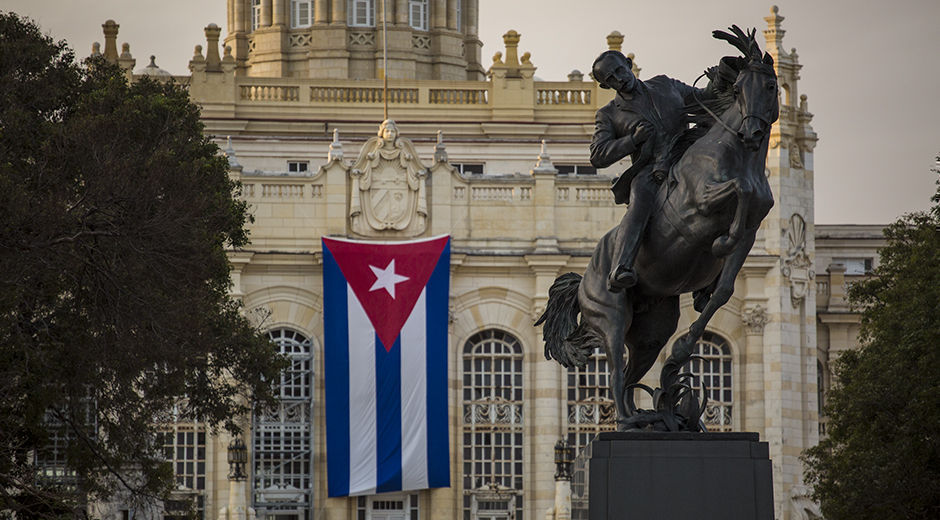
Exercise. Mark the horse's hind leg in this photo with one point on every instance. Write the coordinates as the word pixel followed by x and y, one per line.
pixel 611 322
pixel 645 339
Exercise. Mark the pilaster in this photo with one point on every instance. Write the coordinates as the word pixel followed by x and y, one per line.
pixel 545 419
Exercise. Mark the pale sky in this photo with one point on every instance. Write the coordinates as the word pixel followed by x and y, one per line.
pixel 870 69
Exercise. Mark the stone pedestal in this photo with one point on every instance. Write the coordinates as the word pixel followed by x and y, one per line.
pixel 640 475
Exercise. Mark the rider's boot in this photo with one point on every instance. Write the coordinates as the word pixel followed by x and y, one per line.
pixel 642 198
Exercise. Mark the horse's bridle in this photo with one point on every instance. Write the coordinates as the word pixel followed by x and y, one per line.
pixel 718 119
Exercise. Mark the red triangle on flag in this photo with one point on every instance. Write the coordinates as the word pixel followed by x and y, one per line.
pixel 387 278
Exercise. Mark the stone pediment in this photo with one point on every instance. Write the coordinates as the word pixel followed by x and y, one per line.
pixel 388 196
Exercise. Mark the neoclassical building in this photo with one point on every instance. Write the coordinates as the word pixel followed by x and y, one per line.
pixel 294 89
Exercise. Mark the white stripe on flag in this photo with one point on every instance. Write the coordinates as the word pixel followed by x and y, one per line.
pixel 414 399
pixel 362 438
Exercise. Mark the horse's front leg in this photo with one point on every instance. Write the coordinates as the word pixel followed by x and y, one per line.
pixel 724 288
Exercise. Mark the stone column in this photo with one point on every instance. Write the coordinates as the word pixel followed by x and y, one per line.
pixel 321 13
pixel 752 414
pixel 338 14
pixel 241 16
pixel 545 412
pixel 439 14
pixel 280 12
pixel 379 13
pixel 230 16
pixel 401 12
pixel 265 14
pixel 472 7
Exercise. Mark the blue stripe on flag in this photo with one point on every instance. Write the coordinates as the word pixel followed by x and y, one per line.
pixel 437 345
pixel 388 416
pixel 336 379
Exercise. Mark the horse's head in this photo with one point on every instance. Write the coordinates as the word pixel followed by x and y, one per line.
pixel 755 90
pixel 755 93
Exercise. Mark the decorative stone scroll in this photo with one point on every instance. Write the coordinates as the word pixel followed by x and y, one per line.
pixel 796 264
pixel 754 318
pixel 388 195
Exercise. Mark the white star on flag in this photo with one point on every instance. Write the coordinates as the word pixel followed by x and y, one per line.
pixel 386 278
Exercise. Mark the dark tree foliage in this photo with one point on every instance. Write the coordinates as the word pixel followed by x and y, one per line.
pixel 115 215
pixel 881 458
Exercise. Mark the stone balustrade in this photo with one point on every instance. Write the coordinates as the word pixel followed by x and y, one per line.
pixel 479 208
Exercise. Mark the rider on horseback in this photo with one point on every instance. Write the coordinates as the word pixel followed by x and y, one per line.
pixel 644 120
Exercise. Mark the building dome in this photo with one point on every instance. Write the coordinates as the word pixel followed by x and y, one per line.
pixel 153 70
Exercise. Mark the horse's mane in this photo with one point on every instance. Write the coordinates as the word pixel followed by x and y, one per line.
pixel 722 79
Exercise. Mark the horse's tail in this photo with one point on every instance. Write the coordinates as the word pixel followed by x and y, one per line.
pixel 567 341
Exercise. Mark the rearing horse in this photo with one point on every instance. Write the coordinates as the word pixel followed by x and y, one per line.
pixel 711 208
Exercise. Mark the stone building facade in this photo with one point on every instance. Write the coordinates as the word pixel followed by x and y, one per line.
pixel 503 165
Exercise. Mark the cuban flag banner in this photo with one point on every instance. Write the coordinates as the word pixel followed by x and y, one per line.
pixel 385 314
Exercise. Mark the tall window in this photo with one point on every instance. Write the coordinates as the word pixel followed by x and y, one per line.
pixel 361 13
pixel 590 408
pixel 492 426
pixel 255 14
pixel 418 14
pixel 183 443
pixel 713 368
pixel 301 13
pixel 283 436
pixel 50 461
pixel 459 15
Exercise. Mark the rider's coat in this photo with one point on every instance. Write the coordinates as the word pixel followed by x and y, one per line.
pixel 661 101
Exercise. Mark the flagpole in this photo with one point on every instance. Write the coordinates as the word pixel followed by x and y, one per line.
pixel 385 56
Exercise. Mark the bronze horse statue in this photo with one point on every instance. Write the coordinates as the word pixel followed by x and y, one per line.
pixel 709 213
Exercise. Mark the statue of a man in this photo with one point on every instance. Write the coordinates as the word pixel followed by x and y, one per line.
pixel 643 121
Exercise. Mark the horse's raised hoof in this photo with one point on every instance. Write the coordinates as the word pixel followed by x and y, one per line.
pixel 621 278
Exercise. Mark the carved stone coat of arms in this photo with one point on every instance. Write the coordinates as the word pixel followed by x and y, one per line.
pixel 388 196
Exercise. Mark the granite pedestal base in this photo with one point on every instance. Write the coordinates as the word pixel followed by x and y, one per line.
pixel 675 476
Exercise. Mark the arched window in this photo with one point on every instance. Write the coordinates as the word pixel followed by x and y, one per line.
pixel 418 14
pixel 590 408
pixel 301 13
pixel 713 368
pixel 360 13
pixel 282 436
pixel 492 426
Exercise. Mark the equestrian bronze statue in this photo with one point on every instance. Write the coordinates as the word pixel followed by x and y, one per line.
pixel 697 197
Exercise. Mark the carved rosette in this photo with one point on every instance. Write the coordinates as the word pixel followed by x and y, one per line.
pixel 754 319
pixel 797 266
pixel 388 195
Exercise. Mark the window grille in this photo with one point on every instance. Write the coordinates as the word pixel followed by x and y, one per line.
pixel 297 166
pixel 713 367
pixel 492 426
pixel 469 168
pixel 418 14
pixel 590 408
pixel 282 436
pixel 575 169
pixel 51 461
pixel 387 507
pixel 184 447
pixel 361 13
pixel 301 13
pixel 255 14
